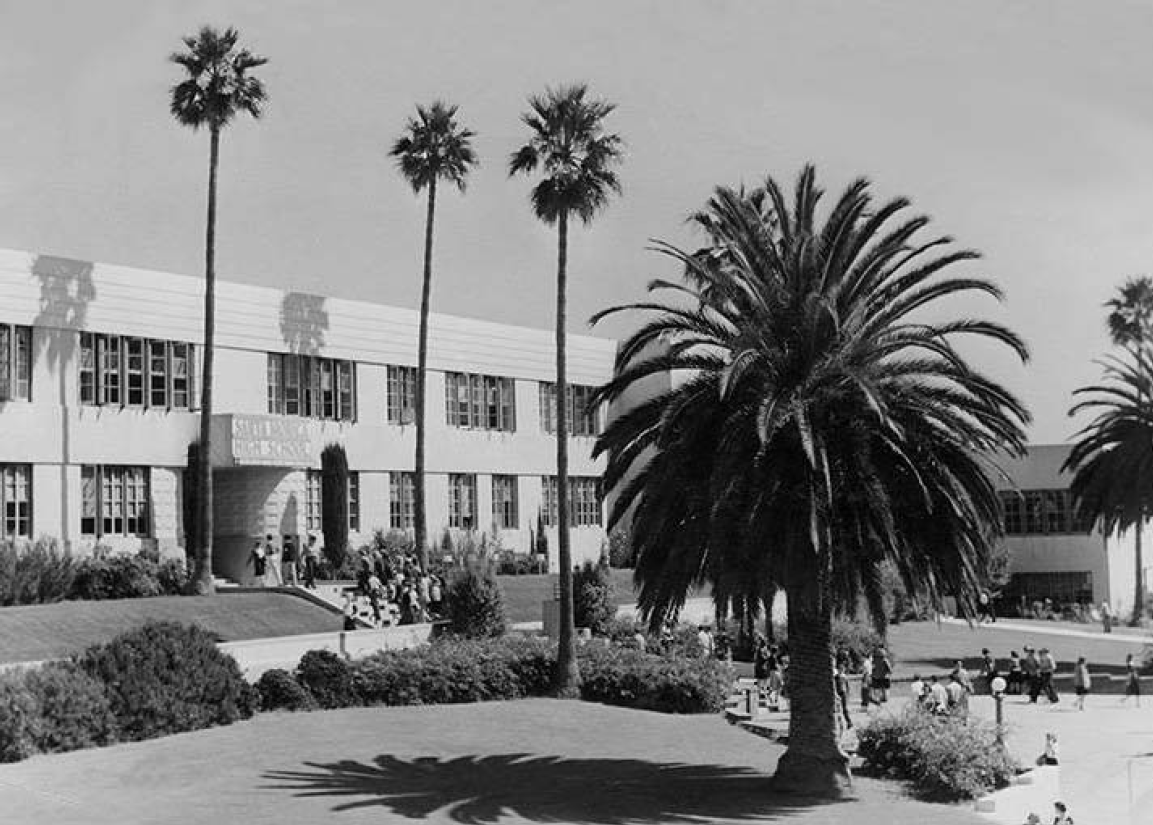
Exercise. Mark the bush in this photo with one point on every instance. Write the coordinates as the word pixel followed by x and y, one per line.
pixel 618 676
pixel 946 758
pixel 19 718
pixel 279 690
pixel 172 577
pixel 857 638
pixel 36 573
pixel 73 707
pixel 475 603
pixel 116 577
pixel 593 605
pixel 327 677
pixel 167 678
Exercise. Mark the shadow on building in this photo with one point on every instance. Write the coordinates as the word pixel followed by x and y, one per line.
pixel 303 322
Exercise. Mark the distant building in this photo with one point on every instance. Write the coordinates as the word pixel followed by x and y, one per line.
pixel 99 392
pixel 1052 553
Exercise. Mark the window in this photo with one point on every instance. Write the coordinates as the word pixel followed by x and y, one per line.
pixel 137 372
pixel 1063 587
pixel 15 363
pixel 1042 512
pixel 311 387
pixel 312 502
pixel 583 417
pixel 354 502
pixel 504 502
pixel 401 492
pixel 114 501
pixel 462 501
pixel 16 500
pixel 584 501
pixel 401 401
pixel 481 402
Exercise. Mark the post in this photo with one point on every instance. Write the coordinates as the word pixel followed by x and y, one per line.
pixel 997 686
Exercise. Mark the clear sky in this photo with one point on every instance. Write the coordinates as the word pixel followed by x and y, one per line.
pixel 1025 129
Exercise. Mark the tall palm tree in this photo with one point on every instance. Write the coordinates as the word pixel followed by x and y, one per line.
pixel 577 160
pixel 823 426
pixel 216 88
pixel 1112 459
pixel 1130 316
pixel 433 148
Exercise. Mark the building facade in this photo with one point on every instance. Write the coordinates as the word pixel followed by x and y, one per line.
pixel 99 399
pixel 1054 554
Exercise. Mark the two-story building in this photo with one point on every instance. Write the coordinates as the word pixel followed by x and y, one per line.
pixel 99 398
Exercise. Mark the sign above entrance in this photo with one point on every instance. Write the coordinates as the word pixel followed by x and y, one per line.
pixel 269 440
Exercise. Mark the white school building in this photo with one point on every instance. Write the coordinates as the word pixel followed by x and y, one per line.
pixel 99 386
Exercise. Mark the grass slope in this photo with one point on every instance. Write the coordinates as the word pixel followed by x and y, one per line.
pixel 50 631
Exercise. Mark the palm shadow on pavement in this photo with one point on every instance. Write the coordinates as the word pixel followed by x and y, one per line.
pixel 478 790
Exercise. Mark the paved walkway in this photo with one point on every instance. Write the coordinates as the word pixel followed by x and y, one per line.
pixel 1121 635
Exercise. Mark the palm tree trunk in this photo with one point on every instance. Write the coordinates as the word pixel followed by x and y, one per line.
pixel 202 574
pixel 1139 575
pixel 814 764
pixel 566 680
pixel 421 525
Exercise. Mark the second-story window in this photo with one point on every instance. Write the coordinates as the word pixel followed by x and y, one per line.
pixel 311 386
pixel 401 391
pixel 583 417
pixel 480 402
pixel 15 363
pixel 137 372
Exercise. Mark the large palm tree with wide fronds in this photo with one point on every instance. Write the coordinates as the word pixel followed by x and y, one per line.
pixel 576 159
pixel 217 86
pixel 1130 316
pixel 823 422
pixel 433 148
pixel 1112 459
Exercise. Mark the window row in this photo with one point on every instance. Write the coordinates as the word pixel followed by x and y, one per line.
pixel 1042 512
pixel 583 417
pixel 584 496
pixel 481 402
pixel 15 363
pixel 16 500
pixel 135 372
pixel 312 387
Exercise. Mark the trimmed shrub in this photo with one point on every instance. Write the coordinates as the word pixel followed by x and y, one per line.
pixel 618 676
pixel 945 758
pixel 167 678
pixel 19 718
pixel 475 603
pixel 334 503
pixel 172 577
pixel 115 577
pixel 73 708
pixel 36 573
pixel 327 677
pixel 279 690
pixel 593 605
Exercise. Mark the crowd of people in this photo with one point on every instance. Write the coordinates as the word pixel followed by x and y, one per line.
pixel 1032 675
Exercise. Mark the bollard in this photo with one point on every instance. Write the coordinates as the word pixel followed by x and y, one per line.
pixel 751 702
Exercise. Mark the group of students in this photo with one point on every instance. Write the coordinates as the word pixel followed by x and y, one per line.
pixel 391 591
pixel 275 564
pixel 1034 673
pixel 770 663
pixel 940 697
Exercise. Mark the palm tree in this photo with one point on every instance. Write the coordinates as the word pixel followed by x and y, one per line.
pixel 823 425
pixel 577 159
pixel 217 87
pixel 1131 312
pixel 432 148
pixel 1112 459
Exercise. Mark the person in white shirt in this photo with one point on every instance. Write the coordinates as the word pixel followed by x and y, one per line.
pixel 939 695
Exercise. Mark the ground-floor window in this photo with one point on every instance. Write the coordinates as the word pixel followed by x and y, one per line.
pixel 462 501
pixel 401 492
pixel 584 501
pixel 114 501
pixel 354 502
pixel 312 502
pixel 1062 588
pixel 16 500
pixel 504 502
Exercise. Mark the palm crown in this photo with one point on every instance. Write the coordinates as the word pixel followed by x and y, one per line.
pixel 575 155
pixel 1131 312
pixel 823 425
pixel 434 147
pixel 218 85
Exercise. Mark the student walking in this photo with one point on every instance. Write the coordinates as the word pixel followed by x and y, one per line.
pixel 311 559
pixel 841 681
pixel 1032 670
pixel 288 561
pixel 882 675
pixel 1047 667
pixel 1082 683
pixel 274 561
pixel 1106 617
pixel 1132 681
pixel 258 558
pixel 1016 676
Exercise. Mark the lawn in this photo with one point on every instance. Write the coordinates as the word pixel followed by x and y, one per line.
pixel 47 631
pixel 530 761
pixel 523 594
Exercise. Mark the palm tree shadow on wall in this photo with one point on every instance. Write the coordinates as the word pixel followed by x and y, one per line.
pixel 66 290
pixel 303 322
pixel 478 790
